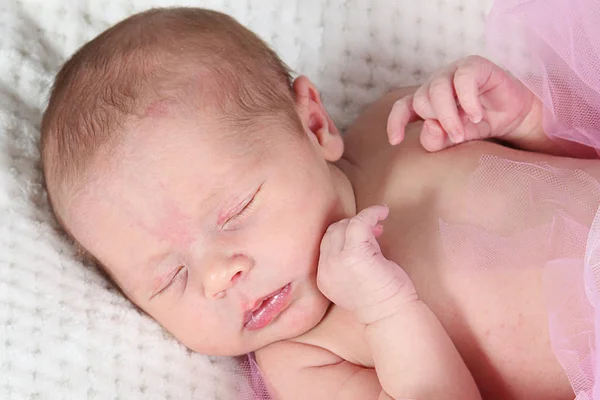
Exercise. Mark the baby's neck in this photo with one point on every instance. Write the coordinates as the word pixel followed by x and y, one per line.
pixel 341 173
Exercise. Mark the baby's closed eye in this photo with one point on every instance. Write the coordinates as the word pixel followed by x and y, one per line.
pixel 176 278
pixel 243 209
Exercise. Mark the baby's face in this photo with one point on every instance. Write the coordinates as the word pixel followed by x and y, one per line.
pixel 198 227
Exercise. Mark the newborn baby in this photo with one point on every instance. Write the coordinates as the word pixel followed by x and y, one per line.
pixel 221 199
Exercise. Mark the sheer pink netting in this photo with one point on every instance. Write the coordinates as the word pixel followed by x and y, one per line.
pixel 553 46
pixel 548 217
pixel 550 220
pixel 252 386
pixel 541 220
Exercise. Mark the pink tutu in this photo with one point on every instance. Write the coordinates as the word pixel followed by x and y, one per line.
pixel 556 52
pixel 553 46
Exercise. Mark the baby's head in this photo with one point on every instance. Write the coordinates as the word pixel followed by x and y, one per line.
pixel 179 154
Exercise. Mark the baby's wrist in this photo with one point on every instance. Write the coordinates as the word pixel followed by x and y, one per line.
pixel 372 314
pixel 531 128
pixel 409 313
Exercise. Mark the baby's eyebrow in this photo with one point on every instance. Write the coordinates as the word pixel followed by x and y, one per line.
pixel 153 262
pixel 147 272
pixel 149 266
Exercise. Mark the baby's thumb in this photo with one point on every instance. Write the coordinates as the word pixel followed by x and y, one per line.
pixel 475 131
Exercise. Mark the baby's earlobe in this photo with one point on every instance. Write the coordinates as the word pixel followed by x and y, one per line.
pixel 331 143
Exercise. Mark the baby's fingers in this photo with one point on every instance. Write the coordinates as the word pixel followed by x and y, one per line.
pixel 422 102
pixel 401 115
pixel 360 228
pixel 443 100
pixel 433 137
pixel 467 82
pixel 334 238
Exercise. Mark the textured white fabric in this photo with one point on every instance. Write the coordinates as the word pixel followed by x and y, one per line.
pixel 64 332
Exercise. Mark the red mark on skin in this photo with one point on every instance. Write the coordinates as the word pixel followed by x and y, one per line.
pixel 173 227
pixel 158 109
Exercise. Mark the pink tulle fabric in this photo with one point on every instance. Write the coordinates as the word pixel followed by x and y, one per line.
pixel 252 386
pixel 542 221
pixel 553 46
pixel 552 220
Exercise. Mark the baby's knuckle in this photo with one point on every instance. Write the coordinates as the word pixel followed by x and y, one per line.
pixel 336 226
pixel 358 250
pixel 438 85
pixel 420 103
pixel 463 74
pixel 331 228
pixel 473 59
pixel 356 225
pixel 401 103
pixel 349 259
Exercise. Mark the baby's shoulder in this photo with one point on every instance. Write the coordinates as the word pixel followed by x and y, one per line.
pixel 367 135
pixel 381 108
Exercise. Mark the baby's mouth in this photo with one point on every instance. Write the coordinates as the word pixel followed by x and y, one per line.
pixel 267 308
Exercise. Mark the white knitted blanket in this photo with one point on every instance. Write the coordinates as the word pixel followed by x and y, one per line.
pixel 64 332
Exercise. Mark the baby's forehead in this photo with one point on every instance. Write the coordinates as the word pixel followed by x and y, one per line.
pixel 167 125
pixel 177 151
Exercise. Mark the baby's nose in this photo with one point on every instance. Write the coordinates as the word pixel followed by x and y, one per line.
pixel 222 275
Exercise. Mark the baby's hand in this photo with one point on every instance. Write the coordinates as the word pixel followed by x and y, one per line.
pixel 470 99
pixel 355 275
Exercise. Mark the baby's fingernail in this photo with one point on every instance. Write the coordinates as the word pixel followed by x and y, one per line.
pixel 377 230
pixel 476 119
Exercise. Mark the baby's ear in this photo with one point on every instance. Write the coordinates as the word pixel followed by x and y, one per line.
pixel 315 120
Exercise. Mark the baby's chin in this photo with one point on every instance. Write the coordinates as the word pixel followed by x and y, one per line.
pixel 301 317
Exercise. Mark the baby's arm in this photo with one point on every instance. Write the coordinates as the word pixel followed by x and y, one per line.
pixel 414 356
pixel 472 99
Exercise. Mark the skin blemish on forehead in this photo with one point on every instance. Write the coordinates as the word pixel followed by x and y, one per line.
pixel 172 226
pixel 157 215
pixel 158 109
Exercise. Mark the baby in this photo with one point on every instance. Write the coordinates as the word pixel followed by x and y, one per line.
pixel 221 199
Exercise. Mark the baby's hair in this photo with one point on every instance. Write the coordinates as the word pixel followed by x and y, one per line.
pixel 203 60
pixel 151 57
